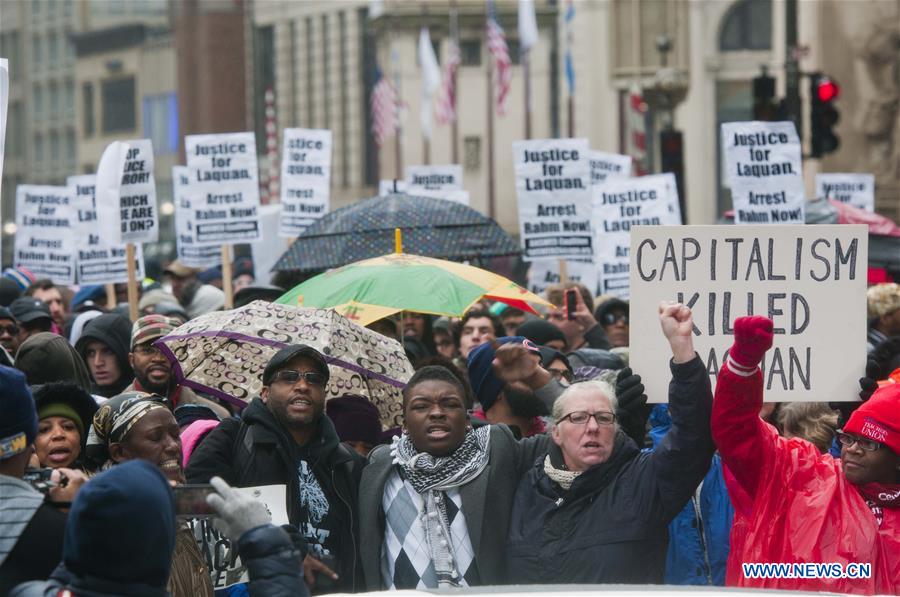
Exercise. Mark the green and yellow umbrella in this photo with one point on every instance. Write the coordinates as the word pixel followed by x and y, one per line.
pixel 371 289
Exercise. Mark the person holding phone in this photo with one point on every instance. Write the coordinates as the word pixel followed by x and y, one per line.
pixel 573 315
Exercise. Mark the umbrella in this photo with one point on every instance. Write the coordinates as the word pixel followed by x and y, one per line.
pixel 369 290
pixel 224 353
pixel 431 227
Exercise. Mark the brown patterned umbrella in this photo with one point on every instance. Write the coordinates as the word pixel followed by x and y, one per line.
pixel 224 353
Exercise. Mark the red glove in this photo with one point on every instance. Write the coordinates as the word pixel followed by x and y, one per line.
pixel 752 338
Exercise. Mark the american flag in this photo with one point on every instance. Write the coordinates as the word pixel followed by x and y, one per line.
pixel 496 40
pixel 446 105
pixel 384 106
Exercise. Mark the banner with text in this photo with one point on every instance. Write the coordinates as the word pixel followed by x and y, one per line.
pixel 305 179
pixel 189 252
pixel 98 260
pixel 609 166
pixel 856 189
pixel 545 272
pixel 764 170
pixel 225 174
pixel 126 192
pixel 553 188
pixel 810 280
pixel 44 233
pixel 433 178
pixel 618 205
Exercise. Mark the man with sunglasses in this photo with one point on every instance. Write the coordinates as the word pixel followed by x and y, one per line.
pixel 793 504
pixel 284 438
pixel 612 315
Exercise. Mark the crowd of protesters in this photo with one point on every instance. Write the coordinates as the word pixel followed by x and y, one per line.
pixel 528 454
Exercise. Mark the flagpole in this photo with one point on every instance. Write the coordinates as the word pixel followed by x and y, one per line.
pixel 454 126
pixel 526 65
pixel 426 139
pixel 490 135
pixel 398 144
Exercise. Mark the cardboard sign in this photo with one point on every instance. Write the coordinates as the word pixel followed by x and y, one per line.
pixel 189 252
pixel 609 166
pixel 433 178
pixel 810 280
pixel 618 206
pixel 225 173
pixel 126 192
pixel 44 233
pixel 554 195
pixel 764 169
pixel 224 565
pixel 98 260
pixel 305 179
pixel 856 189
pixel 545 272
pixel 4 102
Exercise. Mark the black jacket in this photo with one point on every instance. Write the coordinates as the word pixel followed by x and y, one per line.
pixel 254 450
pixel 37 551
pixel 274 563
pixel 610 527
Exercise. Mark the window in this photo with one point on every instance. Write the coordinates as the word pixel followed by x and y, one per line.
pixel 37 51
pixel 472 153
pixel 310 81
pixel 70 98
pixel 87 108
pixel 470 52
pixel 70 52
pixel 70 149
pixel 35 8
pixel 53 92
pixel 14 142
pixel 54 147
pixel 747 26
pixel 161 122
pixel 38 104
pixel 52 51
pixel 38 148
pixel 118 105
pixel 263 80
pixel 9 48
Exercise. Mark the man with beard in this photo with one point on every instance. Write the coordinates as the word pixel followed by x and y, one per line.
pixel 513 404
pixel 153 371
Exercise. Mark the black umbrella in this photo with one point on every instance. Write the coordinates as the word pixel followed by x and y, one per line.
pixel 431 227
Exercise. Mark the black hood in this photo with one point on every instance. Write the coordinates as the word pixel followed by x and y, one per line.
pixel 114 331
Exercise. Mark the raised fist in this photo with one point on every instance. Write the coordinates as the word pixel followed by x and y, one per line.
pixel 752 338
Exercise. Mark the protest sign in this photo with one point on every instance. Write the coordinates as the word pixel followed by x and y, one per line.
pixel 455 195
pixel 270 247
pixel 305 179
pixel 810 280
pixel 98 260
pixel 609 166
pixel 545 272
pixel 126 192
pixel 671 198
pixel 219 553
pixel 189 252
pixel 44 233
pixel 4 102
pixel 386 187
pixel 433 178
pixel 554 195
pixel 856 189
pixel 225 174
pixel 618 205
pixel 763 166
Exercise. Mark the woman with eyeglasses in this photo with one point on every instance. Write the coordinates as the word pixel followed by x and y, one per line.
pixel 796 505
pixel 594 508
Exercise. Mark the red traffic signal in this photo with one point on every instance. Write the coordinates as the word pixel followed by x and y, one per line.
pixel 827 89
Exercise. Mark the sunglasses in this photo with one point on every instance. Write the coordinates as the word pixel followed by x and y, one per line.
pixel 611 318
pixel 289 376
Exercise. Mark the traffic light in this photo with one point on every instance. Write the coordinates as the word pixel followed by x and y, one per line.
pixel 764 105
pixel 823 114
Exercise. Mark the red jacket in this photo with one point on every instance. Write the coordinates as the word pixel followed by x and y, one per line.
pixel 793 504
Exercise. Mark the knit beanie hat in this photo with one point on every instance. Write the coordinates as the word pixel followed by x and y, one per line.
pixel 18 423
pixel 541 331
pixel 485 384
pixel 60 409
pixel 20 275
pixel 354 418
pixel 878 418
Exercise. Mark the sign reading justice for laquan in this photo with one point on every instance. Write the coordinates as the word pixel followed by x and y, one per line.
pixel 810 280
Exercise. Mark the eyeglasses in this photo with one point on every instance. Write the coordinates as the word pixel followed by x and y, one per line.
pixel 848 441
pixel 289 376
pixel 560 374
pixel 12 330
pixel 146 350
pixel 611 318
pixel 581 417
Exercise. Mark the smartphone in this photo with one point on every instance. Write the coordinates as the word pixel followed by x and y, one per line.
pixel 571 304
pixel 190 501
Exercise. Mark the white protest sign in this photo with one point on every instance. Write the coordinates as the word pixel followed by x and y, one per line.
pixel 455 195
pixel 609 166
pixel 618 205
pixel 4 102
pixel 810 280
pixel 126 192
pixel 189 252
pixel 386 187
pixel 433 178
pixel 224 565
pixel 764 168
pixel 554 196
pixel 545 272
pixel 44 233
pixel 99 261
pixel 225 174
pixel 305 179
pixel 268 250
pixel 856 189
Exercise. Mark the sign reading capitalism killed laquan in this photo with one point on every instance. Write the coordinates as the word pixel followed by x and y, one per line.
pixel 620 204
pixel 189 251
pixel 98 260
pixel 763 167
pixel 856 189
pixel 810 280
pixel 44 233
pixel 126 192
pixel 305 179
pixel 225 174
pixel 553 187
